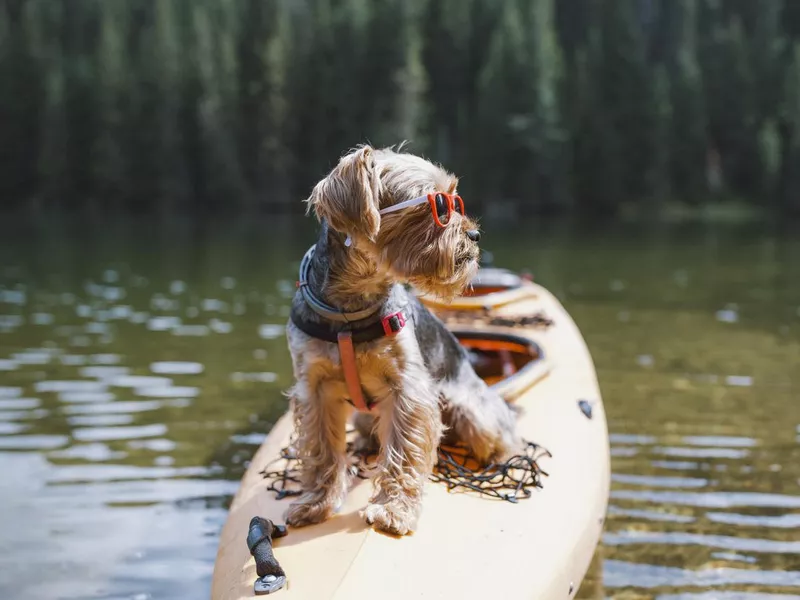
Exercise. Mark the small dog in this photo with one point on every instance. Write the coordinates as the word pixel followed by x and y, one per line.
pixel 358 337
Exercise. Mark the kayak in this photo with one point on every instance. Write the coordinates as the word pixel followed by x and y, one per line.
pixel 526 528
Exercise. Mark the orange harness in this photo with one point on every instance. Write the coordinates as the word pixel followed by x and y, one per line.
pixel 348 357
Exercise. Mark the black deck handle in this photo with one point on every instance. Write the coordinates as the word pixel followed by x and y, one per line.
pixel 259 541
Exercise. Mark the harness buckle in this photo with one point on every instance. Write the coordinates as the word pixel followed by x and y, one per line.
pixel 394 323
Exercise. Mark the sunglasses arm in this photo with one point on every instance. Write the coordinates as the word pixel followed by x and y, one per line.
pixel 405 204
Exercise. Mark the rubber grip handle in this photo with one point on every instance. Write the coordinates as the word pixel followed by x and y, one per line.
pixel 259 541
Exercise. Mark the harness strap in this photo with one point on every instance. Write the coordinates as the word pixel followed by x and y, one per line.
pixel 348 357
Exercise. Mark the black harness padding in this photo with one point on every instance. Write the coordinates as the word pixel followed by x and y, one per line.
pixel 387 326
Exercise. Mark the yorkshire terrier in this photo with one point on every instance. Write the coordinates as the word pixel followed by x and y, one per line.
pixel 360 338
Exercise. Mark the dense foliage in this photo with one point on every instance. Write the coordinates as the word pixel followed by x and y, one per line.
pixel 238 104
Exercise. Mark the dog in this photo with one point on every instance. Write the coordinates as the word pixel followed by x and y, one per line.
pixel 359 338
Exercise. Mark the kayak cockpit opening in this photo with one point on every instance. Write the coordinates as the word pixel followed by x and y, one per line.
pixel 491 280
pixel 498 356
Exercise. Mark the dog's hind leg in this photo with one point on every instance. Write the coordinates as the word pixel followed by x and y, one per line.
pixel 480 418
pixel 409 429
pixel 322 448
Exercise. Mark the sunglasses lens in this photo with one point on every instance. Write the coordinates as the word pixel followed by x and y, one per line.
pixel 459 205
pixel 442 211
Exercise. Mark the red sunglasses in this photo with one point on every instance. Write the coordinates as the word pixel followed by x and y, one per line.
pixel 442 206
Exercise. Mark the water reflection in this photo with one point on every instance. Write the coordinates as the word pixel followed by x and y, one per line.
pixel 141 366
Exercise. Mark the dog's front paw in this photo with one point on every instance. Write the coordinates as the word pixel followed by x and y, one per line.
pixel 392 517
pixel 300 514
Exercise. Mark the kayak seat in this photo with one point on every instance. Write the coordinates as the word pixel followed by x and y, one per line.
pixel 496 357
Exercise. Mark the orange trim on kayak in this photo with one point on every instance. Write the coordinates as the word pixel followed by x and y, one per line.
pixel 485 290
pixel 498 345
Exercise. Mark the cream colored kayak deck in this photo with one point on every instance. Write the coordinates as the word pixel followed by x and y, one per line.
pixel 466 545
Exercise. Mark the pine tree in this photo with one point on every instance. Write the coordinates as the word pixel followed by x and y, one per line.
pixel 442 55
pixel 225 187
pixel 21 104
pixel 108 154
pixel 519 130
pixel 174 187
pixel 662 161
pixel 505 130
pixel 688 140
pixel 730 91
pixel 261 64
pixel 574 20
pixel 596 176
pixel 626 95
pixel 548 62
pixel 142 132
pixel 789 184
pixel 79 31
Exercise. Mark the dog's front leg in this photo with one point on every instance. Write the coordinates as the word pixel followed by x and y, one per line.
pixel 409 429
pixel 322 445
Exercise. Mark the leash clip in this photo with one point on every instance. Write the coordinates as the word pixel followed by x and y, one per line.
pixel 394 323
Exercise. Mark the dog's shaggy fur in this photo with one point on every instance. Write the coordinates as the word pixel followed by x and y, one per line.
pixel 421 379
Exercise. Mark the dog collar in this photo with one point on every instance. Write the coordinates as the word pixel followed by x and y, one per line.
pixel 324 309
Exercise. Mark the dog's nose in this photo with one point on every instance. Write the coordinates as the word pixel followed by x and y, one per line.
pixel 474 235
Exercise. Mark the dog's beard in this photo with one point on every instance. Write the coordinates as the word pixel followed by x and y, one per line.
pixel 434 261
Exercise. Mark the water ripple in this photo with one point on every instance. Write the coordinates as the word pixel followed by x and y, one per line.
pixel 22 415
pixel 8 428
pixel 711 499
pixel 92 452
pixel 650 515
pixel 728 441
pixel 138 381
pixel 18 403
pixel 701 452
pixel 102 434
pixel 156 445
pixel 265 377
pixel 167 391
pixel 33 442
pixel 732 556
pixel 94 397
pixel 132 406
pixel 103 372
pixel 679 465
pixel 787 521
pixel 99 420
pixel 270 331
pixel 656 481
pixel 191 330
pixel 109 473
pixel 727 595
pixel 78 385
pixel 176 368
pixel 698 539
pixel 618 574
pixel 627 438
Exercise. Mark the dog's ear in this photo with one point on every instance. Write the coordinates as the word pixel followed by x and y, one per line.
pixel 348 197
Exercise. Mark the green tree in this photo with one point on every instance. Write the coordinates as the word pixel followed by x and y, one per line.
pixel 626 96
pixel 519 131
pixel 261 74
pixel 21 103
pixel 730 98
pixel 688 141
pixel 108 154
pixel 596 176
pixel 789 183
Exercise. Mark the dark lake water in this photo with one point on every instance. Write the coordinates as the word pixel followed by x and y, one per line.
pixel 142 364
